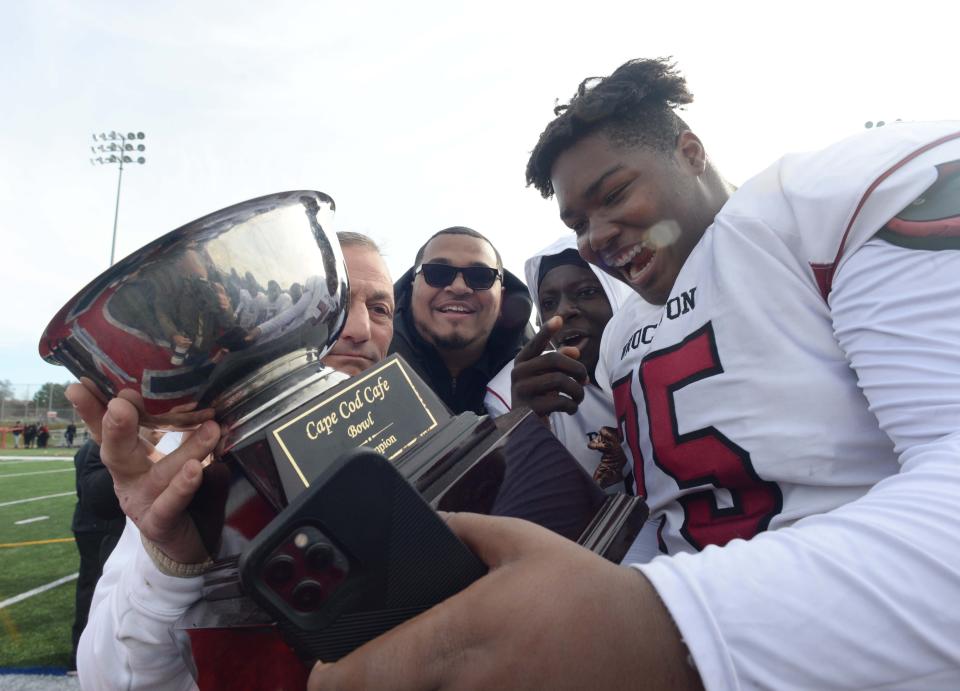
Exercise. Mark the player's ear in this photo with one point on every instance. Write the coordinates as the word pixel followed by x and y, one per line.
pixel 690 152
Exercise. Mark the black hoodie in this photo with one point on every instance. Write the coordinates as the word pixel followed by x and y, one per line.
pixel 466 392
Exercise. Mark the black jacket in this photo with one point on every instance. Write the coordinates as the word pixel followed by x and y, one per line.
pixel 466 392
pixel 98 509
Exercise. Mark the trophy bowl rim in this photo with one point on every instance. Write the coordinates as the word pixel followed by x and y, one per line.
pixel 228 378
pixel 123 267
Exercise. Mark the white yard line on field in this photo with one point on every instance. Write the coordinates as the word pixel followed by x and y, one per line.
pixel 48 496
pixel 31 459
pixel 31 520
pixel 36 591
pixel 35 472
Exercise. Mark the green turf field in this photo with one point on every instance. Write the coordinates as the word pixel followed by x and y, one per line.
pixel 35 632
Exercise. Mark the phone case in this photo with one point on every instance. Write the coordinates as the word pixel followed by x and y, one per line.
pixel 357 553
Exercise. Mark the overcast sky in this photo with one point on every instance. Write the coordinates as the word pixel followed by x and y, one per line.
pixel 413 116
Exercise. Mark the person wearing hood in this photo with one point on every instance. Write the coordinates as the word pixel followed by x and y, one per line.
pixel 574 301
pixel 460 316
pixel 563 285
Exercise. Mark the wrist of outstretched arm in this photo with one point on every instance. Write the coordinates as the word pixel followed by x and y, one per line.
pixel 146 593
pixel 170 567
pixel 128 641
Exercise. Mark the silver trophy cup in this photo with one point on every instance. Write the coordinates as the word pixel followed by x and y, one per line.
pixel 217 313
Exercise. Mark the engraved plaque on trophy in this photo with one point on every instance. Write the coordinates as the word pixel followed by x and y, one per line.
pixel 382 408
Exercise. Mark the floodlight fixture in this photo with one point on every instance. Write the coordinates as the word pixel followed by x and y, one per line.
pixel 120 144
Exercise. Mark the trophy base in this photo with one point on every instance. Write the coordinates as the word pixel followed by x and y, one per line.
pixel 509 466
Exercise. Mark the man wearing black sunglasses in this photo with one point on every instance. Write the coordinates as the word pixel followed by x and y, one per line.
pixel 460 316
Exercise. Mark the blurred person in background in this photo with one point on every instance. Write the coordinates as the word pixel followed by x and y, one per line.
pixel 29 434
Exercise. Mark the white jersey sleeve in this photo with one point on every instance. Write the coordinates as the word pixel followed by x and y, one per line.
pixel 128 641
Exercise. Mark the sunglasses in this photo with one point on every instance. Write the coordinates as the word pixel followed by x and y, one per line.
pixel 442 275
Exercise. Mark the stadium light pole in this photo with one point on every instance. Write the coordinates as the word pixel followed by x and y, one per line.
pixel 115 147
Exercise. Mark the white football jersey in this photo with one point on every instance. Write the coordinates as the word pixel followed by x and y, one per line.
pixel 737 404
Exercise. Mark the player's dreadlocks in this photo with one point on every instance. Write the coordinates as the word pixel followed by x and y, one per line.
pixel 632 106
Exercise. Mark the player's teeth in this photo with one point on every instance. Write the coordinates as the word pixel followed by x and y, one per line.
pixel 638 264
pixel 624 261
pixel 629 258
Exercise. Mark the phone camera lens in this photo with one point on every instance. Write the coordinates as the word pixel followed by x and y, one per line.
pixel 279 569
pixel 320 556
pixel 308 595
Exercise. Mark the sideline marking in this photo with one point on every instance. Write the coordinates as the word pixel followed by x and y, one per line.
pixel 47 496
pixel 36 591
pixel 31 520
pixel 35 472
pixel 38 542
pixel 35 458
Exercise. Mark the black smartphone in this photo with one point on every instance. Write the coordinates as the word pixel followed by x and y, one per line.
pixel 355 554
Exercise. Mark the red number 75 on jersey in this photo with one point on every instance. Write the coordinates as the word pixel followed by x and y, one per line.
pixel 699 458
